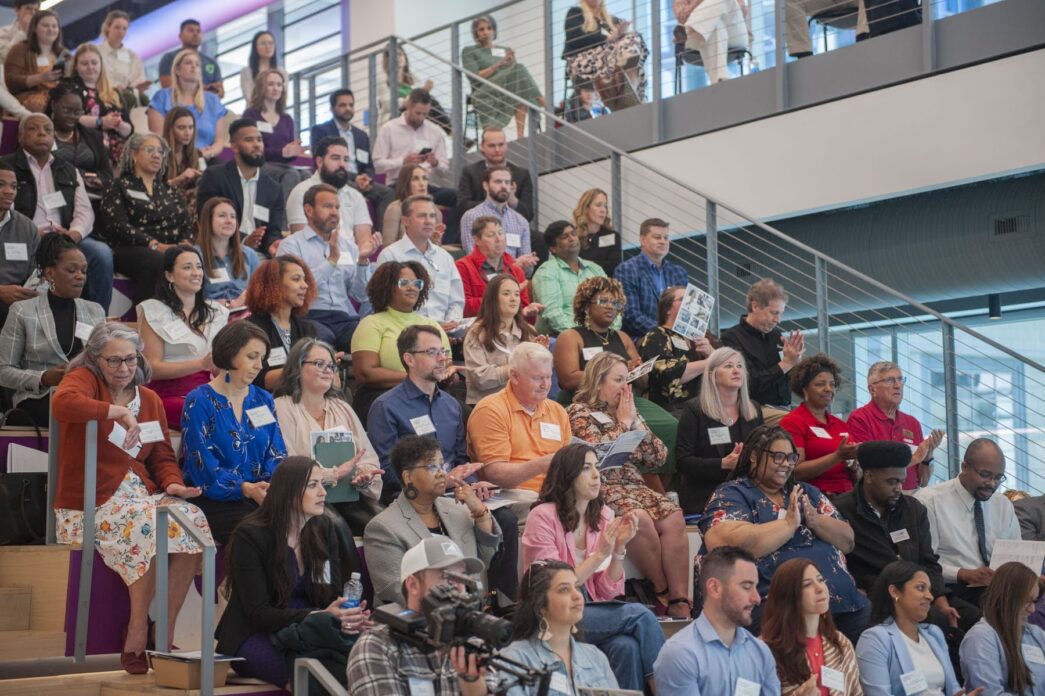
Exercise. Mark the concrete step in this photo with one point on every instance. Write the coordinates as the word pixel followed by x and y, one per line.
pixel 25 645
pixel 119 683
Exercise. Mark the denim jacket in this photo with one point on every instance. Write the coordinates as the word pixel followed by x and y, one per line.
pixel 591 669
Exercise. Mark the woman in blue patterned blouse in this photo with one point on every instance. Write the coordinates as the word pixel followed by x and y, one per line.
pixel 766 512
pixel 230 438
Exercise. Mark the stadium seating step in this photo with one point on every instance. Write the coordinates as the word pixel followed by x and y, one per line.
pixel 117 684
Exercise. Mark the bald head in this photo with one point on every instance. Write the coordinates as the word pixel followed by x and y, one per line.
pixel 983 468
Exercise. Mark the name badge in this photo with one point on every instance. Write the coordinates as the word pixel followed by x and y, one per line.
pixel 422 425
pixel 914 683
pixel 277 357
pixel 43 62
pixel 601 417
pixel 1032 653
pixel 265 127
pixel 261 213
pixel 719 436
pixel 607 240
pixel 138 195
pixel 421 687
pixel 150 432
pixel 560 684
pixel 680 343
pixel 260 416
pixel 747 688
pixel 362 156
pixel 119 435
pixel 590 353
pixel 781 513
pixel 178 331
pixel 220 275
pixel 899 535
pixel 513 240
pixel 345 259
pixel 820 432
pixel 16 251
pixel 83 331
pixel 550 431
pixel 498 52
pixel 832 679
pixel 491 276
pixel 54 200
pixel 123 55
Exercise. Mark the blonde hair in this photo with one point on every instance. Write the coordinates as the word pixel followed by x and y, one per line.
pixel 109 19
pixel 105 91
pixel 580 214
pixel 591 18
pixel 177 97
pixel 710 401
pixel 257 97
pixel 595 372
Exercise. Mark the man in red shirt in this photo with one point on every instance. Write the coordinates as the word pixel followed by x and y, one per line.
pixel 881 419
pixel 488 258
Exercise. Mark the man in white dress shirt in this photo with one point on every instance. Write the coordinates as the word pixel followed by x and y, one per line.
pixel 966 518
pixel 332 162
pixel 446 291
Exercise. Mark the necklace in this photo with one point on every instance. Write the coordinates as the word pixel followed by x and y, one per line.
pixel 604 337
pixel 70 138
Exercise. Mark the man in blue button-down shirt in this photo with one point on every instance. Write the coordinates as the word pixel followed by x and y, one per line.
pixel 647 275
pixel 715 655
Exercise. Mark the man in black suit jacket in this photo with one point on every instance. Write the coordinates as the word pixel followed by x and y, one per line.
pixel 360 165
pixel 264 229
pixel 494 147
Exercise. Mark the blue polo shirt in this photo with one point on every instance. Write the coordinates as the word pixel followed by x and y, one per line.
pixel 391 417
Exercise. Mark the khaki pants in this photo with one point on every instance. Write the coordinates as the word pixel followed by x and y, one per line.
pixel 797 13
pixel 712 28
pixel 771 415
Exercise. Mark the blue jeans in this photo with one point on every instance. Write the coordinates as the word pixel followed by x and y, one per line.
pixel 99 272
pixel 630 637
pixel 336 328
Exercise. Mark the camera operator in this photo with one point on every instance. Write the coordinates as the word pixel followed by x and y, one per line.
pixel 383 664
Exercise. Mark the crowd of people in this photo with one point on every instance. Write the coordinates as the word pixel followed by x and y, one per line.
pixel 448 395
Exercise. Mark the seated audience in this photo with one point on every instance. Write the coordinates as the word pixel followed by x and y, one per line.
pixel 230 438
pixel 143 215
pixel 888 525
pixel 488 259
pixel 341 268
pixel 52 193
pixel 405 85
pixel 396 292
pixel 1002 653
pixel 966 518
pixel 646 276
pixel 712 430
pixel 263 57
pixel 30 364
pixel 384 664
pixel 74 144
pixel 124 68
pixel 278 296
pixel 549 612
pixel 764 511
pixel 603 409
pixel 34 65
pixel 103 109
pixel 599 242
pixel 571 523
pixel 812 656
pixel 555 282
pixel 187 89
pixel 21 239
pixel 899 647
pixel 308 403
pixel 227 264
pixel 256 195
pixel 420 511
pixel 184 165
pixel 498 329
pixel 412 181
pixel 11 34
pixel 191 38
pixel 1030 511
pixel 284 581
pixel 178 327
pixel 768 354
pixel 493 146
pixel 498 65
pixel 717 655
pixel 105 383
pixel 581 105
pixel 826 448
pixel 515 432
pixel 332 160
pixel 497 182
pixel 882 419
pixel 445 302
pixel 602 49
pixel 798 14
pixel 712 30
pixel 268 108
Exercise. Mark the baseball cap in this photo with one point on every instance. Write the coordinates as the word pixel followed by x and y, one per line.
pixel 436 552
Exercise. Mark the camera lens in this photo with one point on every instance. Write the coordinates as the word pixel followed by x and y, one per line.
pixel 495 632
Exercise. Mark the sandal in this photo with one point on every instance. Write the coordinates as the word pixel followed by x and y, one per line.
pixel 680 600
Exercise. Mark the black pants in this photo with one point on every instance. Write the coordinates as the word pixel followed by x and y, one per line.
pixel 503 573
pixel 32 412
pixel 224 515
pixel 968 615
pixel 143 266
pixel 358 514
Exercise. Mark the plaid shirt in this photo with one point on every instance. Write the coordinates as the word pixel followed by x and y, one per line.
pixel 511 222
pixel 640 289
pixel 380 665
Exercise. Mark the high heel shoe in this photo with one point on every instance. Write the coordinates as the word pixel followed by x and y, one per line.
pixel 132 662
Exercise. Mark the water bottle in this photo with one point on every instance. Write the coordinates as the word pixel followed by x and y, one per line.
pixel 673 496
pixel 352 592
pixel 597 107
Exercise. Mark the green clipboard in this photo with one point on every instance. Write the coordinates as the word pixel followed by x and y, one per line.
pixel 332 455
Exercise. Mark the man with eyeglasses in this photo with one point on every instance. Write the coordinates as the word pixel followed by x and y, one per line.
pixel 882 419
pixel 966 518
pixel 340 268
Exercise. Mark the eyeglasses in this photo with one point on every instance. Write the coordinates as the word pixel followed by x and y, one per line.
pixel 114 363
pixel 433 353
pixel 892 381
pixel 781 457
pixel 988 476
pixel 322 365
pixel 604 302
pixel 407 282
pixel 432 468
pixel 152 150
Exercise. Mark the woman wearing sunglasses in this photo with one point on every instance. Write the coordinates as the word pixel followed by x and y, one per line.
pixel 396 292
pixel 764 511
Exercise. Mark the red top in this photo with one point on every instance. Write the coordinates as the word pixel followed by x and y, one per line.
pixel 869 423
pixel 474 279
pixel 819 442
pixel 815 655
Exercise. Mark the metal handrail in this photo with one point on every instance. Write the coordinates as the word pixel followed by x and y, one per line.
pixel 90 497
pixel 305 666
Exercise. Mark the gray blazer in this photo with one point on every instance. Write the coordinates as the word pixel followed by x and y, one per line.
pixel 398 528
pixel 1031 514
pixel 29 344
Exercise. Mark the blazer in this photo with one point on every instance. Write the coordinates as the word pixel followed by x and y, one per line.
pixel 91 139
pixel 300 327
pixel 29 344
pixel 252 608
pixel 360 141
pixel 470 191
pixel 883 657
pixel 398 528
pixel 1031 514
pixel 224 181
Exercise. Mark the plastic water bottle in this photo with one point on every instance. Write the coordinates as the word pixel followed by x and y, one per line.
pixel 352 592
pixel 672 496
pixel 597 107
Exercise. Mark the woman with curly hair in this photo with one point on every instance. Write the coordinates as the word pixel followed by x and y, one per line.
pixel 396 291
pixel 278 296
pixel 826 458
pixel 600 243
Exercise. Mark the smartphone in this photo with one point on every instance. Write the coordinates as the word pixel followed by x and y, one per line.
pixel 425 151
pixel 59 66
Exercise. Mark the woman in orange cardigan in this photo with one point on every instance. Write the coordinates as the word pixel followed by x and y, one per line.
pixel 35 65
pixel 137 472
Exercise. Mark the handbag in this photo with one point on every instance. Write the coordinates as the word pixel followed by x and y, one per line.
pixel 23 509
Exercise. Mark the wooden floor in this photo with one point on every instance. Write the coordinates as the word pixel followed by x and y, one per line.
pixel 116 684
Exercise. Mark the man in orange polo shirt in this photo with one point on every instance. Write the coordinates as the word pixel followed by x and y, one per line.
pixel 515 432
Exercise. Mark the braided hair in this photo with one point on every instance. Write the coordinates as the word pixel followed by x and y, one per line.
pixel 52 246
pixel 756 446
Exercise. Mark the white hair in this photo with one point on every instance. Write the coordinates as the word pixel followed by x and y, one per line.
pixel 880 367
pixel 529 352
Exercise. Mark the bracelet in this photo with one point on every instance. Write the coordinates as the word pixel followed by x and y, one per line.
pixel 482 513
pixel 620 556
pixel 467 678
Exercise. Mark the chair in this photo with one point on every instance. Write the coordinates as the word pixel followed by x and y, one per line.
pixel 693 57
pixel 471 117
pixel 842 16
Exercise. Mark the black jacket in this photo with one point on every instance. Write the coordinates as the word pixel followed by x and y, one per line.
pixel 875 549
pixel 470 191
pixel 65 182
pixel 766 382
pixel 604 249
pixel 223 180
pixel 361 141
pixel 300 327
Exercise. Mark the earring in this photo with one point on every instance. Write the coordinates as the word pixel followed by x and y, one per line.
pixel 410 491
pixel 228 376
pixel 543 632
pixel 50 285
pixel 574 629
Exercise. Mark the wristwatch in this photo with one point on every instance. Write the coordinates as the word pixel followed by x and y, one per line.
pixel 154 245
pixel 620 556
